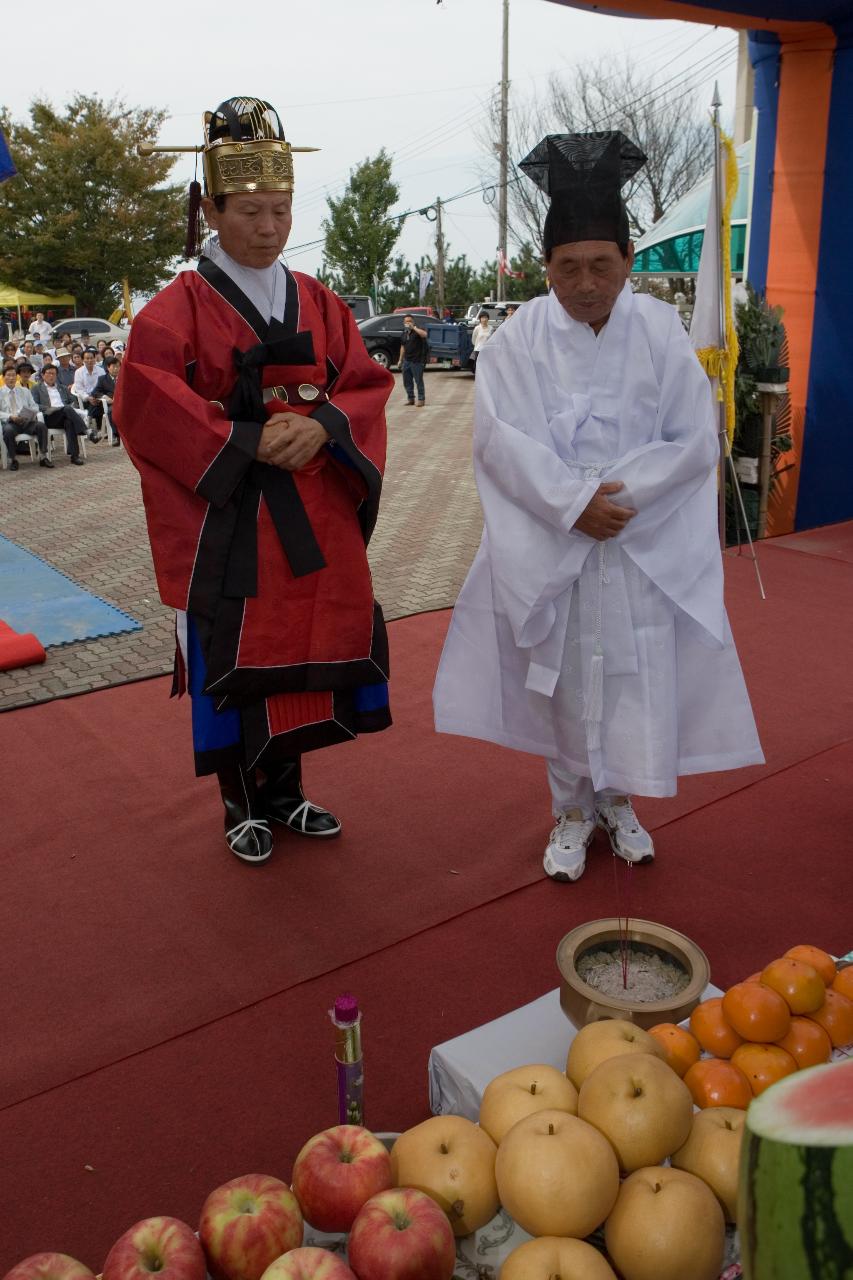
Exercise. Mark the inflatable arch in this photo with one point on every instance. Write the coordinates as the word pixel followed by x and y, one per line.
pixel 801 225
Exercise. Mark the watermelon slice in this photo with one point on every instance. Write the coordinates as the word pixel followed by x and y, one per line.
pixel 795 1198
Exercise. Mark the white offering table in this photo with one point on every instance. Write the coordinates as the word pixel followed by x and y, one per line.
pixel 460 1069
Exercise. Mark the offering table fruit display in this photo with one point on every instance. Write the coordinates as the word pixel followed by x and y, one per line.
pixel 624 1165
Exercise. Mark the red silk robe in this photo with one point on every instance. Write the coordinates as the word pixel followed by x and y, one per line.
pixel 271 565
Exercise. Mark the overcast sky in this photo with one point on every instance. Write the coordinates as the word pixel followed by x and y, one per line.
pixel 352 76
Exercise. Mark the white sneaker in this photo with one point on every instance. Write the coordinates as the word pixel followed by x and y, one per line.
pixel 628 838
pixel 565 857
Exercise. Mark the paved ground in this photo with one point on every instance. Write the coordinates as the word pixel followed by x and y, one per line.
pixel 89 523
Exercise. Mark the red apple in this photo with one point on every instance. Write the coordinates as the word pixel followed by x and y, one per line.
pixel 402 1235
pixel 163 1246
pixel 246 1224
pixel 49 1266
pixel 337 1172
pixel 309 1264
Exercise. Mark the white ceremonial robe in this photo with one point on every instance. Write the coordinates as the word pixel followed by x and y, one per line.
pixel 616 657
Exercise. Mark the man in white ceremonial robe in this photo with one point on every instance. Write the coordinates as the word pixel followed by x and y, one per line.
pixel 591 628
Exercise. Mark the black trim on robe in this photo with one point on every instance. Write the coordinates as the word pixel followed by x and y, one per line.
pixel 336 423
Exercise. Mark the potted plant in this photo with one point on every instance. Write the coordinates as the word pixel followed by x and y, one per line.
pixel 762 338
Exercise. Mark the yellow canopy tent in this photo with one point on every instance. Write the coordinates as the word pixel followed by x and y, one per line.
pixel 17 298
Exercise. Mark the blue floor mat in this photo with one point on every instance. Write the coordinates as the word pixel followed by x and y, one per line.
pixel 38 598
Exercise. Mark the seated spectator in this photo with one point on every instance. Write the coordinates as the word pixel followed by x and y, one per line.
pixel 65 372
pixel 47 359
pixel 100 348
pixel 10 350
pixel 106 388
pixel 54 401
pixel 37 358
pixel 77 347
pixel 41 328
pixel 85 381
pixel 18 413
pixel 25 375
pixel 76 360
pixel 25 350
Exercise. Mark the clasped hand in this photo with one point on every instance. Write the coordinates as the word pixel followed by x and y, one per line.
pixel 601 518
pixel 290 441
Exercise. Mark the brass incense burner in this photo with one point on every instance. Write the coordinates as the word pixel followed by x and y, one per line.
pixel 581 1003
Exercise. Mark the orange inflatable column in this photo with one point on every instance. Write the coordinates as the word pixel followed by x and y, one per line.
pixel 805 85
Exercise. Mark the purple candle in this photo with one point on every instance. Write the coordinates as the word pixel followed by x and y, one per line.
pixel 346 1018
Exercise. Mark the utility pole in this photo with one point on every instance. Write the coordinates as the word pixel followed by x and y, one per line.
pixel 745 92
pixel 503 149
pixel 439 259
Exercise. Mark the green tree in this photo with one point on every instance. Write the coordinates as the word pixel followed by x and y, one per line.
pixel 85 210
pixel 529 261
pixel 359 238
pixel 400 286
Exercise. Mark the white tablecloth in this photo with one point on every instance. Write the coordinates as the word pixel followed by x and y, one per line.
pixel 460 1069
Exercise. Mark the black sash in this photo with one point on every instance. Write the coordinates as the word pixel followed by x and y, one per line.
pixel 277 486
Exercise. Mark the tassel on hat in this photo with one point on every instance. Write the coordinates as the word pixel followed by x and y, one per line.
pixel 193 240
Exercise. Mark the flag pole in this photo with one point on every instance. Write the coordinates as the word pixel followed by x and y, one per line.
pixel 722 433
pixel 723 283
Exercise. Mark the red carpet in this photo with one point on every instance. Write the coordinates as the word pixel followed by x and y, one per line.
pixel 164 1007
pixel 19 648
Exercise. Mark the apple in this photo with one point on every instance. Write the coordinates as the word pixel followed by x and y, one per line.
pixel 606 1039
pixel 309 1264
pixel 520 1092
pixel 666 1225
pixel 557 1175
pixel 452 1160
pixel 162 1245
pixel 336 1172
pixel 551 1256
pixel 49 1266
pixel 641 1105
pixel 246 1224
pixel 712 1153
pixel 402 1234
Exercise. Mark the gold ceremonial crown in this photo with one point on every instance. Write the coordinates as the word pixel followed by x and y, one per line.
pixel 244 149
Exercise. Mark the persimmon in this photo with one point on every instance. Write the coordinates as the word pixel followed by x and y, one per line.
pixel 843 982
pixel 756 1012
pixel 712 1030
pixel 681 1048
pixel 807 1043
pixel 799 984
pixel 818 959
pixel 753 977
pixel 836 1017
pixel 713 1082
pixel 763 1064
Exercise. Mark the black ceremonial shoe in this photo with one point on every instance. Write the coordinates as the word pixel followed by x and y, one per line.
pixel 247 833
pixel 282 801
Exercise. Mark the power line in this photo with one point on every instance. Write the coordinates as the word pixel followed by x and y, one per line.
pixel 710 65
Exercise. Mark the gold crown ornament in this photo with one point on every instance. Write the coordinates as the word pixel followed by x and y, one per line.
pixel 244 150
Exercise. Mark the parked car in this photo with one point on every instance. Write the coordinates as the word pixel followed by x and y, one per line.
pixel 382 336
pixel 415 311
pixel 97 328
pixel 360 304
pixel 496 312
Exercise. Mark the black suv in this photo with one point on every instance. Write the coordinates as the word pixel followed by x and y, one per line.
pixel 382 337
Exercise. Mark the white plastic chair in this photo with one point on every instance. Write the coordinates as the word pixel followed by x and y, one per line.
pixel 59 432
pixel 19 435
pixel 108 420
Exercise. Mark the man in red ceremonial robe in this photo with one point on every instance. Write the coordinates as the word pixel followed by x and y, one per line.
pixel 256 420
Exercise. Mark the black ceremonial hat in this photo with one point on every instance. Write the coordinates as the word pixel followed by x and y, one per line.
pixel 584 173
